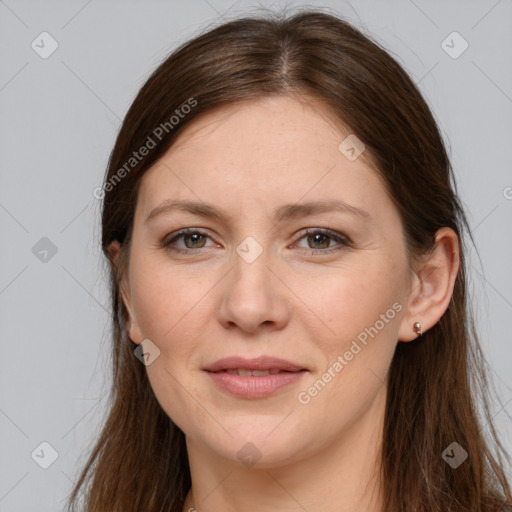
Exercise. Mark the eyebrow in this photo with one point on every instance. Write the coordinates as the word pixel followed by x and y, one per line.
pixel 285 212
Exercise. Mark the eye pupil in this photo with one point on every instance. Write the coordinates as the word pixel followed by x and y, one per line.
pixel 325 237
pixel 195 237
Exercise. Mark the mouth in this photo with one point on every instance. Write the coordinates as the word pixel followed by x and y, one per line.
pixel 254 378
pixel 242 372
pixel 246 367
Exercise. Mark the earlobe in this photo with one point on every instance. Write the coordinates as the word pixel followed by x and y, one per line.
pixel 432 287
pixel 132 326
pixel 133 331
pixel 113 251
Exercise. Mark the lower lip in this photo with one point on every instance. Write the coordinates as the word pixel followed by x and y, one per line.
pixel 253 386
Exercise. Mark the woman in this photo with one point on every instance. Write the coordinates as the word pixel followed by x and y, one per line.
pixel 288 288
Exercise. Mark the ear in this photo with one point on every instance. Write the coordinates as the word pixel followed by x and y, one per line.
pixel 432 285
pixel 132 326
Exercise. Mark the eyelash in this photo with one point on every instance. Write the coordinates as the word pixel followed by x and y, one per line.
pixel 341 239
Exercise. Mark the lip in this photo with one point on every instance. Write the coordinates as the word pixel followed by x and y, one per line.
pixel 253 387
pixel 257 363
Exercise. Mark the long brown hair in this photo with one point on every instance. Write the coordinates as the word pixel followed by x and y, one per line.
pixel 437 388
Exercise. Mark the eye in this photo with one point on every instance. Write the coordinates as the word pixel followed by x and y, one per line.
pixel 196 237
pixel 321 239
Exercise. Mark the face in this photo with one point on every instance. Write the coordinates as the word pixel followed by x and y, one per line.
pixel 267 277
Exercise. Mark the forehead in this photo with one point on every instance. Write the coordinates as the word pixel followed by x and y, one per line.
pixel 271 121
pixel 272 149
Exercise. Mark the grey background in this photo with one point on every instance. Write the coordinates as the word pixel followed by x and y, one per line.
pixel 59 117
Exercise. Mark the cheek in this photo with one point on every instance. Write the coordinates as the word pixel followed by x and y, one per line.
pixel 361 312
pixel 365 318
pixel 352 298
pixel 166 300
pixel 169 307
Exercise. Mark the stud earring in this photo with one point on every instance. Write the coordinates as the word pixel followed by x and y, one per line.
pixel 417 329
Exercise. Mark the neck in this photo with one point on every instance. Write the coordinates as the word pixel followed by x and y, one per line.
pixel 343 477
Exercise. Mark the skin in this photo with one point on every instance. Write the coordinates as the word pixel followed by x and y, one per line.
pixel 250 159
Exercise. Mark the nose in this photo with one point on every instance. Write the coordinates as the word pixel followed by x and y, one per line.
pixel 253 295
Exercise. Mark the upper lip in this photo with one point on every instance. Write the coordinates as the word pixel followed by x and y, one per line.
pixel 258 363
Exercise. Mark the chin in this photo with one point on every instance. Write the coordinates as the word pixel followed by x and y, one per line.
pixel 261 446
